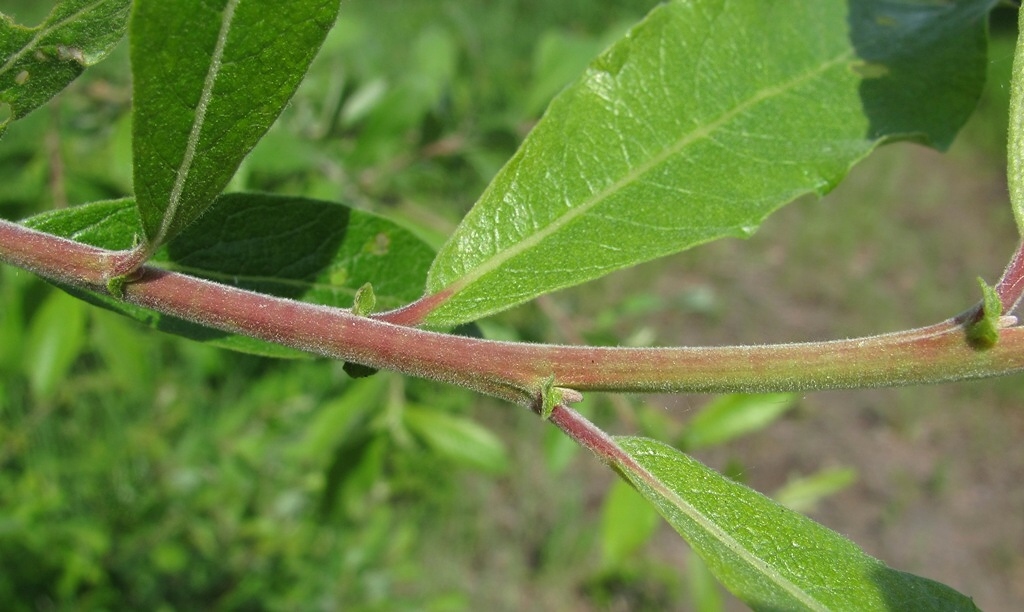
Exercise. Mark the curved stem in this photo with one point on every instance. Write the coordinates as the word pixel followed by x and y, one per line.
pixel 521 372
pixel 415 313
pixel 591 437
pixel 1010 287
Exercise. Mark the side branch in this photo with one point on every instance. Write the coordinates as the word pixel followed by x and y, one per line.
pixel 520 372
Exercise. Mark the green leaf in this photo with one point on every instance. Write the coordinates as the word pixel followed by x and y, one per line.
pixel 704 119
pixel 209 80
pixel 627 523
pixel 558 59
pixel 358 467
pixel 55 340
pixel 1015 157
pixel 704 592
pixel 419 90
pixel 767 555
pixel 732 416
pixel 307 250
pixel 37 63
pixel 116 340
pixel 340 420
pixel 458 439
pixel 13 287
pixel 803 494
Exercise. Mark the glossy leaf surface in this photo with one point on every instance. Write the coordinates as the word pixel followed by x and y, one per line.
pixel 700 122
pixel 308 250
pixel 37 63
pixel 769 556
pixel 209 78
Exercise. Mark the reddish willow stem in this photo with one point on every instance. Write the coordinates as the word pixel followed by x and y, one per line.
pixel 606 448
pixel 594 439
pixel 1011 286
pixel 522 372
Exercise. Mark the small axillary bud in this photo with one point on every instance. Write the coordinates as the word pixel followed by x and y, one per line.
pixel 364 301
pixel 983 332
pixel 551 396
pixel 362 306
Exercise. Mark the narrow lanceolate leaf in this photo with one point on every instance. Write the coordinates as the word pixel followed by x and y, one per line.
pixel 1015 155
pixel 55 340
pixel 769 556
pixel 701 121
pixel 803 494
pixel 308 250
pixel 36 63
pixel 209 80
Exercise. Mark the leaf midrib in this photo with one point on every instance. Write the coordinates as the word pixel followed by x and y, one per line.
pixel 498 259
pixel 182 174
pixel 717 532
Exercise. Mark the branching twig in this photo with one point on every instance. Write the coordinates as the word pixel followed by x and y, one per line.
pixel 520 372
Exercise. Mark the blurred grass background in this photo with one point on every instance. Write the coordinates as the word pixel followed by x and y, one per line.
pixel 141 471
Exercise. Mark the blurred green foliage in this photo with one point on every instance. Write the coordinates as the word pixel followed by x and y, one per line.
pixel 160 473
